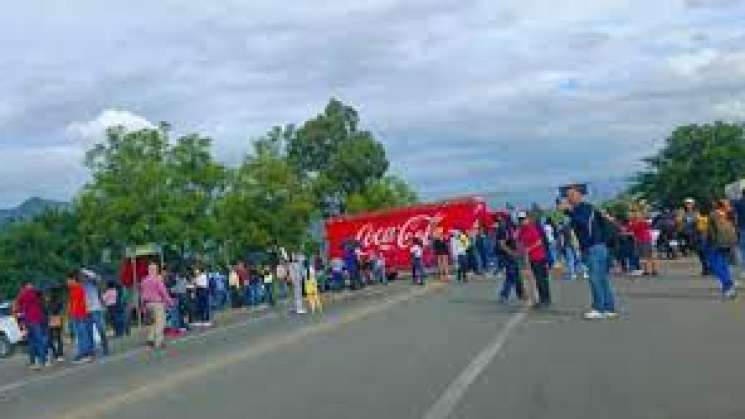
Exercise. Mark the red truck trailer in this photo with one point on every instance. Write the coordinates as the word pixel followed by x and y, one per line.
pixel 391 232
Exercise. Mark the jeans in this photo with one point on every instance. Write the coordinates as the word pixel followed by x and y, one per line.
pixel 601 290
pixel 83 344
pixel 55 342
pixel 116 319
pixel 203 305
pixel 462 266
pixel 337 280
pixel 719 264
pixel 269 292
pixel 741 248
pixel 512 280
pixel 37 343
pixel 235 297
pixel 570 260
pixel 96 318
pixel 417 269
pixel 540 273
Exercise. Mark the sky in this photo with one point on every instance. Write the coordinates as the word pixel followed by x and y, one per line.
pixel 510 97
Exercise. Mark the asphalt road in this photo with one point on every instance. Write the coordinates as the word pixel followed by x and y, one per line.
pixel 433 352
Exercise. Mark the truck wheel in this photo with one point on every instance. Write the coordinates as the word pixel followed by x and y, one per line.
pixel 6 348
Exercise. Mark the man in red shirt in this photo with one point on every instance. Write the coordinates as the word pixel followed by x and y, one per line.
pixel 531 240
pixel 79 318
pixel 28 303
pixel 642 231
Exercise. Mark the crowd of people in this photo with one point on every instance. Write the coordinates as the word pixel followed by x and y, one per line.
pixel 576 241
pixel 94 311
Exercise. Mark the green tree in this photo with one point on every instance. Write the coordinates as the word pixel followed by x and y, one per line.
pixel 40 250
pixel 333 152
pixel 195 180
pixel 387 192
pixel 697 161
pixel 266 204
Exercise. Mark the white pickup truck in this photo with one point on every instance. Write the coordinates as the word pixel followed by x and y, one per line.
pixel 10 333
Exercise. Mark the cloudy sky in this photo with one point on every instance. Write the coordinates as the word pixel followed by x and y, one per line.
pixel 468 96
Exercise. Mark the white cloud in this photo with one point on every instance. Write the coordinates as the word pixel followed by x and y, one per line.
pixel 689 64
pixel 733 110
pixel 94 131
pixel 540 88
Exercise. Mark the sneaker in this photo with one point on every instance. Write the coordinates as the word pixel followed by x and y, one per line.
pixel 60 359
pixel 35 367
pixel 731 294
pixel 610 315
pixel 593 315
pixel 637 272
pixel 302 312
pixel 207 324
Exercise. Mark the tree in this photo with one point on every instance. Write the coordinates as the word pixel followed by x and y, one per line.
pixel 387 192
pixel 195 181
pixel 697 161
pixel 266 204
pixel 42 250
pixel 332 151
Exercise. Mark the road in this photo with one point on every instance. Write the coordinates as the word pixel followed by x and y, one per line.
pixel 444 350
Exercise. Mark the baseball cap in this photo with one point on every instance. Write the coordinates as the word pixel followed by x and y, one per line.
pixel 522 214
pixel 689 201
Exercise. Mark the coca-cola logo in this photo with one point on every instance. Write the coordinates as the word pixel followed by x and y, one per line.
pixel 401 235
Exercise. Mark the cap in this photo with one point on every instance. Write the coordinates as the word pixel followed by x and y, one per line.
pixel 689 200
pixel 522 214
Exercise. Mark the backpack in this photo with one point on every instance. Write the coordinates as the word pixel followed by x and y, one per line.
pixel 723 232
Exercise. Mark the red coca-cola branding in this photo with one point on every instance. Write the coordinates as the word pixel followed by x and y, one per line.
pixel 391 233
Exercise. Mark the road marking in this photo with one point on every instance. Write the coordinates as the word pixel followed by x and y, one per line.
pixel 444 406
pixel 140 350
pixel 151 389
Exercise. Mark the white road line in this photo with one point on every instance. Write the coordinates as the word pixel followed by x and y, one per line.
pixel 139 350
pixel 444 406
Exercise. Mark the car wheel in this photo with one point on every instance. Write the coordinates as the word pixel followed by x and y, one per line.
pixel 6 348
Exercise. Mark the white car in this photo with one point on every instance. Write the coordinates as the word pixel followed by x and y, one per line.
pixel 10 333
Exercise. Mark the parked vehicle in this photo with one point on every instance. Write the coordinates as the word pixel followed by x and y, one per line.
pixel 10 332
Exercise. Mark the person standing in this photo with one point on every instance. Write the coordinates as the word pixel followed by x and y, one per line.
pixel 508 254
pixel 201 284
pixel 56 309
pixel 417 266
pixel 268 278
pixel 722 237
pixel 156 299
pixel 30 305
pixel 440 248
pixel 642 231
pixel 532 243
pixel 311 290
pixel 459 244
pixel 589 226
pixel 337 274
pixel 78 314
pixel 296 277
pixel 234 282
pixel 110 299
pixel 94 306
pixel 282 278
pixel 738 206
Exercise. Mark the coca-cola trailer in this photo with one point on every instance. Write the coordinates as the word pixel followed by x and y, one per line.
pixel 391 232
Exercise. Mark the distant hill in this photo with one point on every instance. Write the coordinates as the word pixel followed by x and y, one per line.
pixel 29 209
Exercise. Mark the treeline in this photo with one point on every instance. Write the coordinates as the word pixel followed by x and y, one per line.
pixel 696 161
pixel 148 187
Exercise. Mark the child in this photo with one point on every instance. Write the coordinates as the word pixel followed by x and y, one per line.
pixel 311 290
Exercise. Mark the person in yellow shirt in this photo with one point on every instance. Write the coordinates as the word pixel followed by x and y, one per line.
pixel 311 291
